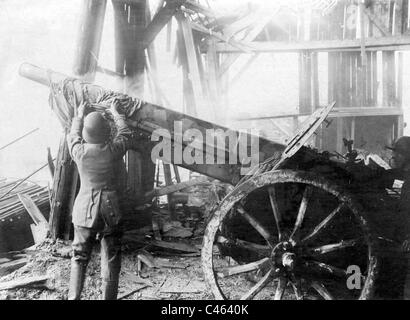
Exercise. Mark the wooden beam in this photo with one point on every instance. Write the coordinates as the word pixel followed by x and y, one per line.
pixel 343 111
pixel 193 68
pixel 160 19
pixel 378 44
pixel 130 23
pixel 89 38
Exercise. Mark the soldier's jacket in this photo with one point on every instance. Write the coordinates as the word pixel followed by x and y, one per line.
pixel 98 166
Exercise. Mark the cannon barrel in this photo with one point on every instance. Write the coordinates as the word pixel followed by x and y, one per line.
pixel 40 75
pixel 150 117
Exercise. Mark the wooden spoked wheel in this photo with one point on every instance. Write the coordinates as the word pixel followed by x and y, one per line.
pixel 288 235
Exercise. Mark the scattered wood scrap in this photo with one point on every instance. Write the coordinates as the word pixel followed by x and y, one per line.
pixel 40 228
pixel 132 291
pixel 184 247
pixel 27 282
pixel 10 266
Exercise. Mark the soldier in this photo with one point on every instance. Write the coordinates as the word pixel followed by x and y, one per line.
pixel 400 163
pixel 96 209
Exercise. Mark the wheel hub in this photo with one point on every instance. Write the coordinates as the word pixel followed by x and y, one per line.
pixel 283 256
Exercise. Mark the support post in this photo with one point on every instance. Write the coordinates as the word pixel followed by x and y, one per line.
pixel 60 191
pixel 89 38
pixel 130 23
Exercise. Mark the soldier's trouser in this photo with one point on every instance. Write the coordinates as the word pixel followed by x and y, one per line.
pixel 84 239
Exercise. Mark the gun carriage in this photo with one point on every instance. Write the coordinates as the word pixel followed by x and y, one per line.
pixel 302 224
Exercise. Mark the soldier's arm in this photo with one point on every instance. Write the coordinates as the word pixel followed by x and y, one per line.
pixel 74 139
pixel 123 140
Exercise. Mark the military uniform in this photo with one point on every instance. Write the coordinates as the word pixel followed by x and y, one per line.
pixel 96 210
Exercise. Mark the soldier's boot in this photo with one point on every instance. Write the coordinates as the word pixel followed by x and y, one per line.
pixel 77 278
pixel 110 265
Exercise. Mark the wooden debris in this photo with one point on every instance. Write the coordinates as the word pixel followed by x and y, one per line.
pixel 40 229
pixel 174 246
pixel 164 263
pixel 10 266
pixel 147 258
pixel 131 292
pixel 27 282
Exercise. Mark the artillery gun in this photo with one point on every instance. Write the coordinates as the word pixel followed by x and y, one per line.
pixel 298 225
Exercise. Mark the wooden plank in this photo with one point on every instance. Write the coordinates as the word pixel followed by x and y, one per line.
pixel 375 82
pixel 39 232
pixel 389 89
pixel 174 246
pixel 9 267
pixel 38 280
pixel 399 95
pixel 370 66
pixel 315 80
pixel 405 17
pixel 378 44
pixel 398 6
pixel 32 209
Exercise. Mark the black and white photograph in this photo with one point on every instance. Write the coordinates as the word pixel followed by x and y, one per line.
pixel 183 151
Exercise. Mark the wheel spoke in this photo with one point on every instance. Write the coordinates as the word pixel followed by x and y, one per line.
pixel 275 209
pixel 307 193
pixel 296 289
pixel 332 270
pixel 324 267
pixel 257 226
pixel 321 289
pixel 244 268
pixel 259 248
pixel 335 246
pixel 259 286
pixel 280 289
pixel 324 223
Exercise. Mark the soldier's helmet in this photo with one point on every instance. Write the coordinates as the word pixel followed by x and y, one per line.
pixel 402 146
pixel 96 128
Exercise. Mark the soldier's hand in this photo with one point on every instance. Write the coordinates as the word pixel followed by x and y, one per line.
pixel 114 107
pixel 81 109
